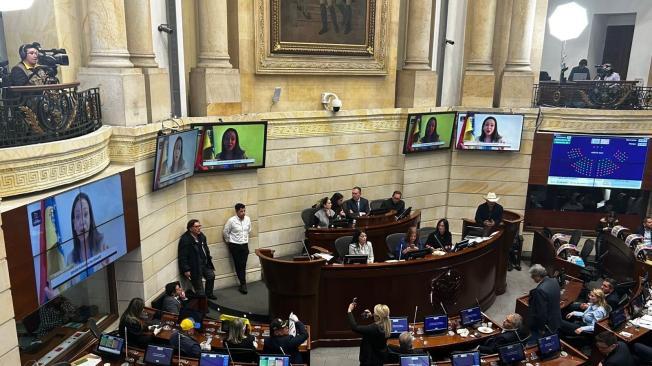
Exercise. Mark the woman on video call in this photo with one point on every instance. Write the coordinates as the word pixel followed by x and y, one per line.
pixel 231 146
pixel 431 131
pixel 178 164
pixel 490 133
pixel 88 241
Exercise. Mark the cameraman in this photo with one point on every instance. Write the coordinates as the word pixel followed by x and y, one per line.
pixel 606 73
pixel 27 72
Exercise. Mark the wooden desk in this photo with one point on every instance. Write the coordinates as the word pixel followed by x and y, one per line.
pixel 569 295
pixel 545 254
pixel 620 262
pixel 376 227
pixel 460 279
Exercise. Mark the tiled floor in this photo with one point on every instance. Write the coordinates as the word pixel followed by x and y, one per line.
pixel 518 283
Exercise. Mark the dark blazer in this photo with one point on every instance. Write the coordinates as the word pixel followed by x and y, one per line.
pixel 373 348
pixel 483 213
pixel 398 207
pixel 136 333
pixel 436 241
pixel 510 336
pixel 613 299
pixel 247 342
pixel 544 306
pixel 350 205
pixel 641 230
pixel 620 356
pixel 190 256
pixel 289 343
pixel 171 304
pixel 189 346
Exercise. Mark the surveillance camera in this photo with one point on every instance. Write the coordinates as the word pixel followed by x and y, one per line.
pixel 336 104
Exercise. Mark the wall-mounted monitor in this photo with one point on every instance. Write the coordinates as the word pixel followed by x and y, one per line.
pixel 428 132
pixel 488 131
pixel 175 158
pixel 598 161
pixel 230 146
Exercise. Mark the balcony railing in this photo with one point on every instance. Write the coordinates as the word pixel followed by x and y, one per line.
pixel 595 94
pixel 44 113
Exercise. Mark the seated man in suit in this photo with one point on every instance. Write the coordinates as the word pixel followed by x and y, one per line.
pixel 356 206
pixel 544 311
pixel 646 230
pixel 608 287
pixel 513 331
pixel 174 298
pixel 183 339
pixel 615 352
pixel 394 203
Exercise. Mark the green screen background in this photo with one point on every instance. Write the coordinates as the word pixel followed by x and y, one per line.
pixel 251 137
pixel 445 124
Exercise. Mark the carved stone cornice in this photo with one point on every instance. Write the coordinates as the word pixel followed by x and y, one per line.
pixel 596 121
pixel 131 144
pixel 32 168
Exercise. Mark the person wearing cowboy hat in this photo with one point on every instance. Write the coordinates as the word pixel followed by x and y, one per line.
pixel 490 213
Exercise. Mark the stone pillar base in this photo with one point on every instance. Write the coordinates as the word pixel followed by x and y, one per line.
pixel 157 89
pixel 478 88
pixel 416 88
pixel 516 89
pixel 214 91
pixel 122 91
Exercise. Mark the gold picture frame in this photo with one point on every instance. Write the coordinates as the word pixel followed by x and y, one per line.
pixel 321 37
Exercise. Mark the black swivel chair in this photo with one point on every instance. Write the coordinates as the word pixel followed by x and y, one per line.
pixel 586 250
pixel 576 235
pixel 342 245
pixel 375 204
pixel 392 241
pixel 424 232
pixel 547 232
pixel 307 216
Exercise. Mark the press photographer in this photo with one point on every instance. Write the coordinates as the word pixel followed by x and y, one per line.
pixel 37 66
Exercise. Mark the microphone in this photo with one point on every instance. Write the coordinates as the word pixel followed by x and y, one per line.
pixel 127 358
pixel 179 340
pixel 283 352
pixel 226 344
pixel 414 323
pixel 306 248
pixel 549 330
pixel 443 308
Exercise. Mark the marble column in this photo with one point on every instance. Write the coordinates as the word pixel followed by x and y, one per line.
pixel 416 83
pixel 517 78
pixel 122 87
pixel 141 50
pixel 214 83
pixel 479 76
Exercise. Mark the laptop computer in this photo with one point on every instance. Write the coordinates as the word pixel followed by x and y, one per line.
pixel 417 254
pixel 110 346
pixel 355 259
pixel 399 325
pixel 274 360
pixel 435 324
pixel 157 355
pixel 465 358
pixel 404 214
pixel 213 359
pixel 471 316
pixel 414 360
pixel 549 347
pixel 511 354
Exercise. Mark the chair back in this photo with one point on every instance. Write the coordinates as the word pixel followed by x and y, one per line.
pixel 575 237
pixel 587 249
pixel 392 241
pixel 342 245
pixel 547 232
pixel 375 204
pixel 424 232
pixel 306 216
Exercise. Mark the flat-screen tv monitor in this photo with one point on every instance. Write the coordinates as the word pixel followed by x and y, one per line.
pixel 417 254
pixel 488 131
pixel 355 259
pixel 428 132
pixel 511 354
pixel 471 316
pixel 415 360
pixel 75 234
pixel 399 325
pixel 175 158
pixel 465 358
pixel 617 318
pixel 110 345
pixel 549 347
pixel 230 146
pixel 213 359
pixel 157 355
pixel 274 360
pixel 435 324
pixel 597 161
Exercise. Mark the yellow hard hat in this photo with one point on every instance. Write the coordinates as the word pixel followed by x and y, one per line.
pixel 187 324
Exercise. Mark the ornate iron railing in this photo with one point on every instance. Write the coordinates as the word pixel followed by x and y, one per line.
pixel 36 114
pixel 593 94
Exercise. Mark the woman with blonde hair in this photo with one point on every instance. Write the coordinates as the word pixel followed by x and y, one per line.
pixel 373 347
pixel 237 336
pixel 596 311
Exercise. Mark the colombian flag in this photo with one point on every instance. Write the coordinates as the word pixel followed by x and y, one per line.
pixel 467 132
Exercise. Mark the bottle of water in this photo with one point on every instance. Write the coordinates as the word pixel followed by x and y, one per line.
pixel 353 223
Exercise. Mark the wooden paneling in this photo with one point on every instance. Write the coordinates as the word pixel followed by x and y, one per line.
pixel 540 163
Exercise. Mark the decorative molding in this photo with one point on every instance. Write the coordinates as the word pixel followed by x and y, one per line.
pixel 311 64
pixel 596 121
pixel 53 164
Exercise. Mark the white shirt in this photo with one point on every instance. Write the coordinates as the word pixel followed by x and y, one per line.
pixel 237 231
pixel 613 77
pixel 647 236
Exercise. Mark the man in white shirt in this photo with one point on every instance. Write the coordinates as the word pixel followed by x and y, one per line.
pixel 609 73
pixel 236 236
pixel 646 231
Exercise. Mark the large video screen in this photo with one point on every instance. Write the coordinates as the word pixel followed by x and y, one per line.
pixel 428 132
pixel 175 158
pixel 228 146
pixel 489 131
pixel 597 161
pixel 75 234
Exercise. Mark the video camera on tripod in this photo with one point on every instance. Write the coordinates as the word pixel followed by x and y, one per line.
pixel 49 59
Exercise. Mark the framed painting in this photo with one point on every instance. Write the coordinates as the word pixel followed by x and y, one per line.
pixel 321 36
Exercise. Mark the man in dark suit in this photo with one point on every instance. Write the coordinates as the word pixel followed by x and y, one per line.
pixel 356 206
pixel 615 353
pixel 608 287
pixel 544 311
pixel 281 342
pixel 513 331
pixel 394 203
pixel 174 298
pixel 646 230
pixel 195 259
pixel 183 339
